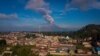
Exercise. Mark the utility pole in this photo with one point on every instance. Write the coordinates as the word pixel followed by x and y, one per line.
pixel 39 28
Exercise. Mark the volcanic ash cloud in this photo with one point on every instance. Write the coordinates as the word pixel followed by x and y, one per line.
pixel 42 7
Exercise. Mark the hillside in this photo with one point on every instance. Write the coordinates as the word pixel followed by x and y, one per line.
pixel 90 30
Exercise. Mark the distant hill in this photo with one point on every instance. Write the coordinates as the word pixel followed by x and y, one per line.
pixel 90 30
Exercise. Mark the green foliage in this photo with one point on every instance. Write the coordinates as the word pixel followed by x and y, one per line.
pixel 62 40
pixel 1 49
pixel 90 30
pixel 2 43
pixel 23 51
pixel 30 35
pixel 55 33
pixel 79 46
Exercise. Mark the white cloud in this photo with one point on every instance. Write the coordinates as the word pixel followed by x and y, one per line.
pixel 8 16
pixel 96 5
pixel 82 5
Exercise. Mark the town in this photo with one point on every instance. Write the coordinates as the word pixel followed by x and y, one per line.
pixel 38 44
pixel 49 27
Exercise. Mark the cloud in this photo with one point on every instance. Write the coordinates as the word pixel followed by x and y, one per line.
pixel 96 5
pixel 21 1
pixel 42 7
pixel 8 16
pixel 82 5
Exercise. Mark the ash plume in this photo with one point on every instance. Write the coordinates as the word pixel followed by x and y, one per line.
pixel 42 7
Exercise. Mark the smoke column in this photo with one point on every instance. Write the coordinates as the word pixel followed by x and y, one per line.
pixel 42 7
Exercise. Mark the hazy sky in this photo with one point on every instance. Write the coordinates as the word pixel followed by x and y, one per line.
pixel 48 14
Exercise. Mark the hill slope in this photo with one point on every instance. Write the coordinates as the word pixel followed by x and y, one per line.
pixel 90 30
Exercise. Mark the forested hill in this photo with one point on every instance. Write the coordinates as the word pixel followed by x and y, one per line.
pixel 90 30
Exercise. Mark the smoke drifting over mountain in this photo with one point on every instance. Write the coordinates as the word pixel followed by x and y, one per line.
pixel 42 7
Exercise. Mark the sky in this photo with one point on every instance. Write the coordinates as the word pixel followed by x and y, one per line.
pixel 48 15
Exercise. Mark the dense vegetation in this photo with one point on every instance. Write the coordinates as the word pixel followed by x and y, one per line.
pixel 2 45
pixel 23 51
pixel 90 30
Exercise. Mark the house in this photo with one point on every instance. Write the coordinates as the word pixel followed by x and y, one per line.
pixel 80 51
pixel 98 43
pixel 61 53
pixel 87 44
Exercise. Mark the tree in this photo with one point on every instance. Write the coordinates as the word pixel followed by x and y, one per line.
pixel 2 43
